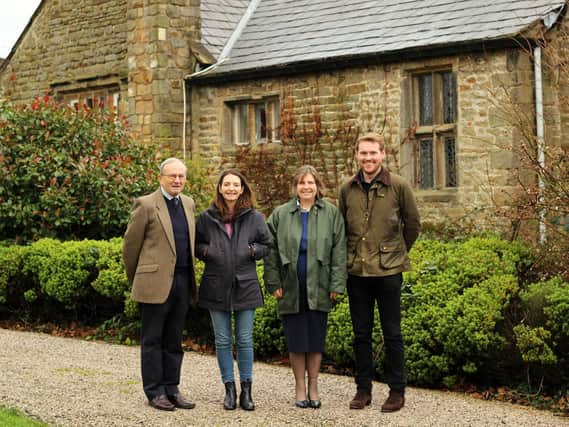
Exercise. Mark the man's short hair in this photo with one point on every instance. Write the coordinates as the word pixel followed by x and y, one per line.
pixel 371 137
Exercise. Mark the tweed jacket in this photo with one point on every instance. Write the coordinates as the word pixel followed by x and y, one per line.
pixel 326 255
pixel 381 224
pixel 149 249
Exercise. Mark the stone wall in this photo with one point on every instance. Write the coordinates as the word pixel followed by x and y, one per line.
pixel 374 98
pixel 159 36
pixel 555 60
pixel 70 44
pixel 137 48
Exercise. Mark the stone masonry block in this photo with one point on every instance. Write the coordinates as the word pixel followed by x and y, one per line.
pixel 356 88
pixel 144 107
pixel 503 160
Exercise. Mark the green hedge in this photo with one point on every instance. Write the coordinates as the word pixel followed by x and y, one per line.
pixel 467 311
pixel 455 304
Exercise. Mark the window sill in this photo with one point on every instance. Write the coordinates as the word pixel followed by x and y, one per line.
pixel 437 196
pixel 233 148
pixel 429 130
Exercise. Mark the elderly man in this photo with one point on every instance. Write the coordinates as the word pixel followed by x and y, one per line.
pixel 158 256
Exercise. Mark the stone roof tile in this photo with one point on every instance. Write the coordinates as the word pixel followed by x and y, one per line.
pixel 281 32
pixel 219 19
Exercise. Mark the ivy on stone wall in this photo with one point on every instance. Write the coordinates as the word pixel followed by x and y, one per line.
pixel 307 136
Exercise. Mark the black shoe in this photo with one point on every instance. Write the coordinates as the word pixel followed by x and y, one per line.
pixel 316 404
pixel 230 401
pixel 302 404
pixel 245 400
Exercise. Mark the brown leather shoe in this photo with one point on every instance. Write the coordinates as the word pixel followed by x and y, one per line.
pixel 161 402
pixel 361 399
pixel 181 402
pixel 394 402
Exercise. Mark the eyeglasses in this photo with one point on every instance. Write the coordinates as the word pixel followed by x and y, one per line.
pixel 173 176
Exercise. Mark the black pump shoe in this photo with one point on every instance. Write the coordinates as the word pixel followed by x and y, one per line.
pixel 245 399
pixel 316 404
pixel 230 401
pixel 302 404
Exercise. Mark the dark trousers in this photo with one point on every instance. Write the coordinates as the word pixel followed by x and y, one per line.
pixel 363 293
pixel 161 340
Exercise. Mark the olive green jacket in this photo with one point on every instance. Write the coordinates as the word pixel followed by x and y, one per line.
pixel 381 224
pixel 326 255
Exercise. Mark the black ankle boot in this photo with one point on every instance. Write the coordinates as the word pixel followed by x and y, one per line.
pixel 230 401
pixel 245 400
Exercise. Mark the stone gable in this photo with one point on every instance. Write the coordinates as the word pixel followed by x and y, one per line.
pixel 127 54
pixel 70 42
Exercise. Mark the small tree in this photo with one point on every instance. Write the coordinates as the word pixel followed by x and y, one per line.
pixel 68 172
pixel 543 172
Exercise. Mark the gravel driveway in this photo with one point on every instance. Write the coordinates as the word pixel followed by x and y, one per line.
pixel 70 382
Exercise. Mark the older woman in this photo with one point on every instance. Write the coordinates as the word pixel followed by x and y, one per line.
pixel 305 271
pixel 230 237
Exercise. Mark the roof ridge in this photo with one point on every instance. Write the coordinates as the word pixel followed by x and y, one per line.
pixel 238 30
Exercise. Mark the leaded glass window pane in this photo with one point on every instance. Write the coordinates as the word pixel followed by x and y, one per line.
pixel 426 99
pixel 448 97
pixel 276 120
pixel 426 169
pixel 260 122
pixel 241 122
pixel 450 162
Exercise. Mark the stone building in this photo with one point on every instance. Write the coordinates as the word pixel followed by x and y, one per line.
pixel 446 82
pixel 128 54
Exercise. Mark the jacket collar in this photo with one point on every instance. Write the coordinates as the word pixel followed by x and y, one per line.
pixel 383 176
pixel 294 205
pixel 214 212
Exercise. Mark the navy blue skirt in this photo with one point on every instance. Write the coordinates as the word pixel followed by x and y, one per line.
pixel 305 331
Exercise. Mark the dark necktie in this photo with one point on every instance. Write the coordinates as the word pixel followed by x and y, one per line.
pixel 176 201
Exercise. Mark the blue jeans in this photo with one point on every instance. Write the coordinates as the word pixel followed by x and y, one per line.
pixel 221 321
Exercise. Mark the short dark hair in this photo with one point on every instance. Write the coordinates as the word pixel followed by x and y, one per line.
pixel 244 201
pixel 370 137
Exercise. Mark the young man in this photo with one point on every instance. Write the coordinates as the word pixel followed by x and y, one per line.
pixel 382 223
pixel 158 257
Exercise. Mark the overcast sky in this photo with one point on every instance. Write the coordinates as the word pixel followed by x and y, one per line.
pixel 14 16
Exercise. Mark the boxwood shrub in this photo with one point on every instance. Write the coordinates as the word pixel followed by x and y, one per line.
pixel 468 312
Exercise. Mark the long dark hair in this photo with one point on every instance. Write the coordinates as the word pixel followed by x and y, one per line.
pixel 245 200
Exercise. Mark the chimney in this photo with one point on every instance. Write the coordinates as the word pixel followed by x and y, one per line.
pixel 159 35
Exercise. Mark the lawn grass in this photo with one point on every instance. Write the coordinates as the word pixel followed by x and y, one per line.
pixel 14 418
